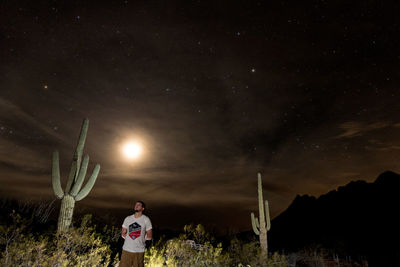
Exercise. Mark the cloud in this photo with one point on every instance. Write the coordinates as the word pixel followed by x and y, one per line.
pixel 22 158
pixel 22 119
pixel 385 148
pixel 378 145
pixel 353 128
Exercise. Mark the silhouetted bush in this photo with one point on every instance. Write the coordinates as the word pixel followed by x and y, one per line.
pixel 78 247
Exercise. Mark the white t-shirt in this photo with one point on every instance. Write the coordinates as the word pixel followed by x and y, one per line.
pixel 136 234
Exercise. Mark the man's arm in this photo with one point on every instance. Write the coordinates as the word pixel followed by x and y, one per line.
pixel 123 232
pixel 149 234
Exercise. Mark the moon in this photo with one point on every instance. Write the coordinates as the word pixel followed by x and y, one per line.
pixel 132 150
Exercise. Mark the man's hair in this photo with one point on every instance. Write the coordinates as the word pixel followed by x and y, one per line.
pixel 141 202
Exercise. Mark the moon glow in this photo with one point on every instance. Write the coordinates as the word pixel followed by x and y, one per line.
pixel 132 150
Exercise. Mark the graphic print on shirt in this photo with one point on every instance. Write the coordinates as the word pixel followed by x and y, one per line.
pixel 135 230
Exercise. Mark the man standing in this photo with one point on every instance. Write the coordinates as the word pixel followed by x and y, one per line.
pixel 136 230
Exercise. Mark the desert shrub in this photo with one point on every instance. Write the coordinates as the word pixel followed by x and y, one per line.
pixel 185 252
pixel 179 253
pixel 155 255
pixel 77 247
pixel 197 233
pixel 249 254
pixel 202 250
pixel 309 256
pixel 83 246
pixel 317 256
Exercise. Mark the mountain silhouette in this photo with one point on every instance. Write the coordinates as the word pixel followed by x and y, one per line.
pixel 360 218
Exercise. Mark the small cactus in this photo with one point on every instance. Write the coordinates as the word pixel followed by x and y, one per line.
pixel 73 190
pixel 260 227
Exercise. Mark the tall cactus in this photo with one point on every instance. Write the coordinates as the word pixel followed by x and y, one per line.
pixel 261 227
pixel 73 190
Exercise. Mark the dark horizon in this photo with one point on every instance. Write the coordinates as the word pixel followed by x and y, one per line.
pixel 111 217
pixel 305 93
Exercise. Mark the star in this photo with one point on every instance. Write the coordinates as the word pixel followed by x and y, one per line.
pixel 253 70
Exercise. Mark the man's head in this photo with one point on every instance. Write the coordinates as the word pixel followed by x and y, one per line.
pixel 139 206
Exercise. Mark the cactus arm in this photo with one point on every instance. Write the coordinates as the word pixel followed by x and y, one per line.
pixel 76 161
pixel 81 176
pixel 254 224
pixel 89 184
pixel 261 202
pixel 81 144
pixel 71 177
pixel 55 174
pixel 261 226
pixel 267 215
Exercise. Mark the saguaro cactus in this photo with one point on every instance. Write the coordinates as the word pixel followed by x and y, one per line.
pixel 73 190
pixel 260 227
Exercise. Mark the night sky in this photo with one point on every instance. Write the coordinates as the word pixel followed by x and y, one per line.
pixel 305 92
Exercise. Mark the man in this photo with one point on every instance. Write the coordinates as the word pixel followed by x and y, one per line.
pixel 137 232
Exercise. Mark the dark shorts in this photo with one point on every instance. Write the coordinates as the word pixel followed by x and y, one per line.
pixel 131 259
